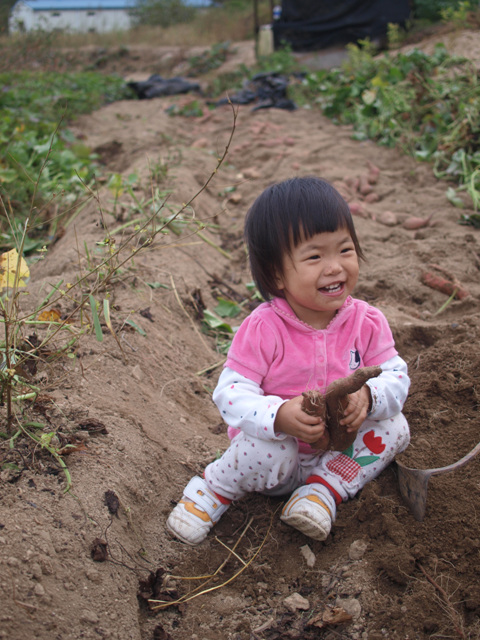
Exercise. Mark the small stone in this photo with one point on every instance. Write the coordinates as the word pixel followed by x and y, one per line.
pixel 357 549
pixel 36 570
pixel 309 556
pixel 13 562
pixel 351 606
pixel 93 575
pixel 137 373
pixel 295 602
pixel 388 218
pixel 39 590
pixel 251 173
pixel 89 616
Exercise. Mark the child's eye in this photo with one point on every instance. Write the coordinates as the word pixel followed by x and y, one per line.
pixel 347 249
pixel 315 257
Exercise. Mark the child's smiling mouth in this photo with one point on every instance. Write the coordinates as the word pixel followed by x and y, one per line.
pixel 332 289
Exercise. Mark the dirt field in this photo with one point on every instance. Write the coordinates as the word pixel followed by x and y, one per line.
pixel 148 423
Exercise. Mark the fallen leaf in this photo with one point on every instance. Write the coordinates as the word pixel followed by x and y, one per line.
pixel 99 550
pixel 50 315
pixel 330 616
pixel 72 448
pixel 13 270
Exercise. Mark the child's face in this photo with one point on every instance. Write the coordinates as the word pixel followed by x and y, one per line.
pixel 319 275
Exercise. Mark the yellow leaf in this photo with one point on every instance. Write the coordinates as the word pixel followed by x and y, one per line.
pixel 13 270
pixel 50 315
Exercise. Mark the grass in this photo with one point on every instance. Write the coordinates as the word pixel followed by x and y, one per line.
pixel 233 21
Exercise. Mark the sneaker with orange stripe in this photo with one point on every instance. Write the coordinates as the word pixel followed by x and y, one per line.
pixel 311 509
pixel 196 513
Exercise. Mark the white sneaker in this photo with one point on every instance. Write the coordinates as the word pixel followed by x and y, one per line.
pixel 196 513
pixel 311 509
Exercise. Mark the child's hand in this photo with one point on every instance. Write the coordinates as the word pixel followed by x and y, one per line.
pixel 293 421
pixel 357 408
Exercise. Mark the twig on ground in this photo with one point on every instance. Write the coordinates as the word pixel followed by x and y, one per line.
pixel 455 616
pixel 162 604
pixel 211 367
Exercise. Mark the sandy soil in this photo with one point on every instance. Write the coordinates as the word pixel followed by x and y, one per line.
pixel 144 415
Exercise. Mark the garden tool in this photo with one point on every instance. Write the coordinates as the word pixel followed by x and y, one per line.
pixel 413 482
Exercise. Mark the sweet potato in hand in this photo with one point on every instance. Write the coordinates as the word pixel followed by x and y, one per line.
pixel 331 406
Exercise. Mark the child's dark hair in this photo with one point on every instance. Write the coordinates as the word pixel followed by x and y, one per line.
pixel 283 215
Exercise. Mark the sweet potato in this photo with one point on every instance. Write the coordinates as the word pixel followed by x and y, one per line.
pixel 365 187
pixel 357 209
pixel 373 174
pixel 415 222
pixel 331 407
pixel 448 287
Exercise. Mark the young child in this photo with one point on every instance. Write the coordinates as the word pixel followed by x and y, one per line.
pixel 304 257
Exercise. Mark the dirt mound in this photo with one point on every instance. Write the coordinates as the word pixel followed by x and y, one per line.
pixel 84 564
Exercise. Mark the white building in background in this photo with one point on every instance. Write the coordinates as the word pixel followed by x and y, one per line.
pixel 77 15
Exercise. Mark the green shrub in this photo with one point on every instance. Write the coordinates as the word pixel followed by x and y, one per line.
pixel 431 10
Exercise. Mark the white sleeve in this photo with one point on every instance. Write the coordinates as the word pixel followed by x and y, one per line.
pixel 243 405
pixel 389 390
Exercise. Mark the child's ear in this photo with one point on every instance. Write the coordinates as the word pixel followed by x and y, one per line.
pixel 279 282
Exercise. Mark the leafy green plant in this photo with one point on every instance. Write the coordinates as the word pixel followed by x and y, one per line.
pixel 395 35
pixel 431 10
pixel 217 322
pixel 457 15
pixel 34 113
pixel 427 105
pixel 191 109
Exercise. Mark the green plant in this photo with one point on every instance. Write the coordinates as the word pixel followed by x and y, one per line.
pixel 395 35
pixel 190 109
pixel 427 105
pixel 35 110
pixel 457 15
pixel 216 322
pixel 431 10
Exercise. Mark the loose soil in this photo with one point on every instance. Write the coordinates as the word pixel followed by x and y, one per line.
pixel 86 563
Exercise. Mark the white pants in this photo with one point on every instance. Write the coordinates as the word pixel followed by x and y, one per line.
pixel 275 467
